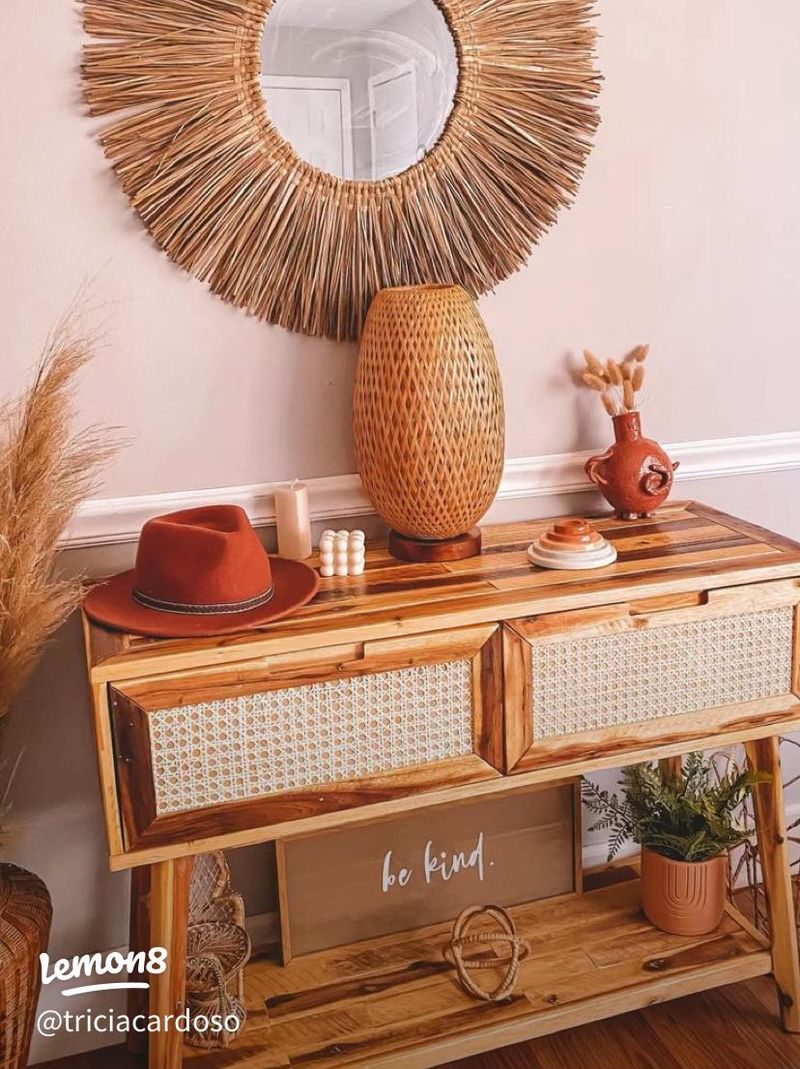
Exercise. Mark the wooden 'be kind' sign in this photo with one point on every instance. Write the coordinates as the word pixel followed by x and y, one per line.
pixel 425 867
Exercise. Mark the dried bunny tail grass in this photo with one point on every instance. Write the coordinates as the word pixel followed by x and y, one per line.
pixel 639 354
pixel 637 378
pixel 231 202
pixel 610 405
pixel 45 472
pixel 614 372
pixel 628 395
pixel 627 372
pixel 593 364
pixel 594 382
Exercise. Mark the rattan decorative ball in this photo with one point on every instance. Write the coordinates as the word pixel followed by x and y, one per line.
pixel 428 416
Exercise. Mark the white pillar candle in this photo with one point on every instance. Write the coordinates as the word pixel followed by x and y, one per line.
pixel 294 522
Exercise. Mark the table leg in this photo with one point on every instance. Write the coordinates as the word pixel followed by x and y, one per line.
pixel 671 767
pixel 136 1042
pixel 773 848
pixel 169 915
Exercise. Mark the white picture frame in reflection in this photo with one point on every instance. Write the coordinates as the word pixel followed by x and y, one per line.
pixel 315 115
pixel 393 120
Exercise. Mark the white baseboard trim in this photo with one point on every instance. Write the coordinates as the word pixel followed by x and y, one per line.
pixel 105 521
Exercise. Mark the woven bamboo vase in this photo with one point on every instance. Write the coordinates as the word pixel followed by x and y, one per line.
pixel 25 915
pixel 428 419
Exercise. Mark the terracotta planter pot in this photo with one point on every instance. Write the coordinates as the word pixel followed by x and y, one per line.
pixel 25 914
pixel 634 475
pixel 683 897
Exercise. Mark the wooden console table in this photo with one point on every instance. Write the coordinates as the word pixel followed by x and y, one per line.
pixel 425 684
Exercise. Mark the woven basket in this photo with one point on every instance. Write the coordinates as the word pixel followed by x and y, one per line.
pixel 211 897
pixel 216 955
pixel 25 915
pixel 428 411
pixel 217 949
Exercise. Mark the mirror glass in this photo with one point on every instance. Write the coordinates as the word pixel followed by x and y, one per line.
pixel 360 88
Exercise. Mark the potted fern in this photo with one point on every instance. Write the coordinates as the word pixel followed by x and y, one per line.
pixel 686 825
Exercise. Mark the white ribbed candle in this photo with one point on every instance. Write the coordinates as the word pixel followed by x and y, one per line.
pixel 294 521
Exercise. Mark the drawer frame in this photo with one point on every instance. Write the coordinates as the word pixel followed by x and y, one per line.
pixel 131 705
pixel 525 754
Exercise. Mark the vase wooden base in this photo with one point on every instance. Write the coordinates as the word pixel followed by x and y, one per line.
pixel 428 551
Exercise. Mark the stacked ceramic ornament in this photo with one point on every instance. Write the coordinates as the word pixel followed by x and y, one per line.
pixel 572 544
pixel 342 553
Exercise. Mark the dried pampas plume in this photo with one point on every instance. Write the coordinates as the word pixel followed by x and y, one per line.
pixel 46 470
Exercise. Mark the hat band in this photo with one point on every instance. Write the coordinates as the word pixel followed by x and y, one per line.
pixel 201 610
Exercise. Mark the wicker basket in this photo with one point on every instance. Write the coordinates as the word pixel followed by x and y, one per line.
pixel 216 955
pixel 211 897
pixel 25 915
pixel 217 949
pixel 428 411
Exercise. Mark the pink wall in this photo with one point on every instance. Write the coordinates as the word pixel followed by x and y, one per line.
pixel 686 233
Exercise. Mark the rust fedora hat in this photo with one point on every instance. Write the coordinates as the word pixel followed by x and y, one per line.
pixel 201 572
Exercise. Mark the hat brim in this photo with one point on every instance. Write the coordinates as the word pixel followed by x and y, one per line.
pixel 111 604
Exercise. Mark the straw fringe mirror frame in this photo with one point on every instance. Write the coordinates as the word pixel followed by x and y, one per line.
pixel 230 200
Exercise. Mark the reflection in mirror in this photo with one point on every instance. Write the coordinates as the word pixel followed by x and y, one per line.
pixel 360 88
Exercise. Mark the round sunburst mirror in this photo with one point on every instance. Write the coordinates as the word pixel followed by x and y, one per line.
pixel 300 155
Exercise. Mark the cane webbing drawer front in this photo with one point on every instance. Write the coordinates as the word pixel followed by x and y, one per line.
pixel 672 668
pixel 605 680
pixel 283 740
pixel 303 735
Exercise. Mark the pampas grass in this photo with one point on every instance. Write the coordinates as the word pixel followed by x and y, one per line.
pixel 45 472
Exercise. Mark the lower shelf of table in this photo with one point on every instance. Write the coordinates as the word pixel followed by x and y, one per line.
pixel 393 1003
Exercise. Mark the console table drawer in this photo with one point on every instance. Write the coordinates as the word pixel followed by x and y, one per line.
pixel 618 671
pixel 308 733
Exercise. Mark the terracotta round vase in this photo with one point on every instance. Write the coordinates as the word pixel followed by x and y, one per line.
pixel 635 474
pixel 683 897
pixel 428 419
pixel 25 915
